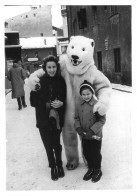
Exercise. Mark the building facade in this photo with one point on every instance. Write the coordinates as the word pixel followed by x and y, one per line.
pixel 34 49
pixel 12 52
pixel 110 27
pixel 64 17
pixel 35 23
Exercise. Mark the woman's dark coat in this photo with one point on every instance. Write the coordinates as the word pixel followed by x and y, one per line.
pixel 51 88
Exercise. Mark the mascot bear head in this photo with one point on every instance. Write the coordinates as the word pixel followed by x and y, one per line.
pixel 80 54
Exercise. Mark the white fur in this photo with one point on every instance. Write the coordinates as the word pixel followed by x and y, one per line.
pixel 35 78
pixel 74 73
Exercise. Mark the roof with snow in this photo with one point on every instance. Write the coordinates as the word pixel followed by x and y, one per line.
pixel 38 42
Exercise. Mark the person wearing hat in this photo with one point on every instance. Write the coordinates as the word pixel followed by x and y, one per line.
pixel 16 75
pixel 89 127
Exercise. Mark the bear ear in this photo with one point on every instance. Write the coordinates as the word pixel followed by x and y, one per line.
pixel 92 43
pixel 71 37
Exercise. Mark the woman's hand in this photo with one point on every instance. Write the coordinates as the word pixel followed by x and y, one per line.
pixel 56 104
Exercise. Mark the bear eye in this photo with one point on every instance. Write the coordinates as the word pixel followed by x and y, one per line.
pixel 83 49
pixel 72 47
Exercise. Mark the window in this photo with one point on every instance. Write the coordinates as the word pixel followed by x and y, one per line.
pixel 117 60
pixel 50 52
pixel 33 8
pixel 63 49
pixel 113 10
pixel 74 26
pixel 94 11
pixel 6 24
pixel 45 42
pixel 36 53
pixel 105 8
pixel 26 54
pixel 63 6
pixel 63 10
pixel 99 58
pixel 82 18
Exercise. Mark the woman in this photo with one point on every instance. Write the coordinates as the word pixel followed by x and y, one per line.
pixel 49 101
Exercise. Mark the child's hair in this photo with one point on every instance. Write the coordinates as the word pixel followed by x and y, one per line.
pixel 50 58
pixel 85 88
pixel 86 85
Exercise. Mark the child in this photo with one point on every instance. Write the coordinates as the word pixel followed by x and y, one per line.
pixel 49 102
pixel 89 126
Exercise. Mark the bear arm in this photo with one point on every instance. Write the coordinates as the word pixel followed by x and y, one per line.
pixel 35 78
pixel 103 90
pixel 102 87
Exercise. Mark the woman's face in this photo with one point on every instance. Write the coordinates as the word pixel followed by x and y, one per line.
pixel 51 68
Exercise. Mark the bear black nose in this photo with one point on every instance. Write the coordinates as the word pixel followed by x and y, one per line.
pixel 75 57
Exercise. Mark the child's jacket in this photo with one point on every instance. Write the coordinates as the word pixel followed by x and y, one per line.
pixel 85 118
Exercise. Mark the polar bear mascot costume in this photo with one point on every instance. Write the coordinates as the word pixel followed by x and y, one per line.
pixel 78 65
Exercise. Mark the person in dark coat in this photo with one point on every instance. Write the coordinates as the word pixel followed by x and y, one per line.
pixel 49 101
pixel 17 76
pixel 89 126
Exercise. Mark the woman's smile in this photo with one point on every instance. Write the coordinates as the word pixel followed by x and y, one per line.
pixel 51 68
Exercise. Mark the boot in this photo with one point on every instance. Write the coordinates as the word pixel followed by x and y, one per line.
pixel 20 107
pixel 23 101
pixel 54 173
pixel 61 173
pixel 25 106
pixel 88 175
pixel 96 175
pixel 19 103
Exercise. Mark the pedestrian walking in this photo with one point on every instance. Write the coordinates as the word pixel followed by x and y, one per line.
pixel 17 76
pixel 26 70
pixel 89 126
pixel 49 101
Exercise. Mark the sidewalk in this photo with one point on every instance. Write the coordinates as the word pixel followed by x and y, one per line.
pixel 26 161
pixel 123 88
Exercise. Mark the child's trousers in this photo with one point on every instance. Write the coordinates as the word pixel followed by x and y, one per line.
pixel 51 140
pixel 92 153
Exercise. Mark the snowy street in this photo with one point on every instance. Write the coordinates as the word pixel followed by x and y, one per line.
pixel 26 160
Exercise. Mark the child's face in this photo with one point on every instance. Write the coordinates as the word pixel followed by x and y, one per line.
pixel 86 95
pixel 51 68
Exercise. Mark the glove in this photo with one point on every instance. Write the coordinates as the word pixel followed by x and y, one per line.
pixel 89 134
pixel 80 131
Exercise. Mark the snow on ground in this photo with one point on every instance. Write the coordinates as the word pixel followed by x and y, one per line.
pixel 26 161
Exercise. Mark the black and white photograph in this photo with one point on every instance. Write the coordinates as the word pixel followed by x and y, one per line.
pixel 68 96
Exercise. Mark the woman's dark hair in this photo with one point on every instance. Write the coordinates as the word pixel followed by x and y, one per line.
pixel 49 59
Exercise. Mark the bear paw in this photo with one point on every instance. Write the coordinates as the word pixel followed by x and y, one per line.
pixel 34 79
pixel 71 166
pixel 101 108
